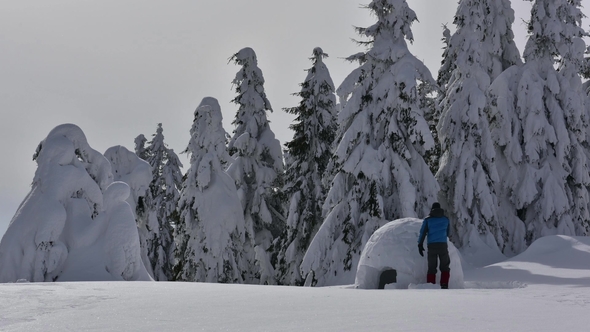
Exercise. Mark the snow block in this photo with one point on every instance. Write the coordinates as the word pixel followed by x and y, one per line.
pixel 395 247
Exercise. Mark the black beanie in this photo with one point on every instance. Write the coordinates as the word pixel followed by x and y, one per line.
pixel 435 205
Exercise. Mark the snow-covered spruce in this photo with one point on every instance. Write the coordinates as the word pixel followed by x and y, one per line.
pixel 382 174
pixel 164 189
pixel 586 72
pixel 540 126
pixel 487 23
pixel 66 229
pixel 210 234
pixel 479 50
pixel 309 151
pixel 257 169
pixel 393 247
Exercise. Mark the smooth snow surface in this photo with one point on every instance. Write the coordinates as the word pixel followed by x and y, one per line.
pixel 547 288
pixel 394 246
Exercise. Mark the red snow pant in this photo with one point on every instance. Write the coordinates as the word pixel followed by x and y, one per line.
pixel 439 252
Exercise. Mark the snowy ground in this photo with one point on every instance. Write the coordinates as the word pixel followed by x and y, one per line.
pixel 547 288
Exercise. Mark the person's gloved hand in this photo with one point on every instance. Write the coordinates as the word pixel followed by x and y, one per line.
pixel 421 249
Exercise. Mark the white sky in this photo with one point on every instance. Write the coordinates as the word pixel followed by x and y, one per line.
pixel 117 68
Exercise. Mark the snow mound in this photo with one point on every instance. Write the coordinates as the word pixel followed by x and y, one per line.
pixel 480 250
pixel 551 251
pixel 394 246
pixel 550 260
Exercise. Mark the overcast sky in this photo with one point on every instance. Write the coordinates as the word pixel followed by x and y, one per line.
pixel 117 68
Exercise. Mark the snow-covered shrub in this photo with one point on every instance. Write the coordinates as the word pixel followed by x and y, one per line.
pixel 121 242
pixel 66 229
pixel 136 173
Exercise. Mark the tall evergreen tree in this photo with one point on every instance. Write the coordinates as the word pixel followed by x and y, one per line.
pixel 210 237
pixel 491 21
pixel 309 151
pixel 539 124
pixel 479 50
pixel 586 71
pixel 257 167
pixel 382 174
pixel 164 189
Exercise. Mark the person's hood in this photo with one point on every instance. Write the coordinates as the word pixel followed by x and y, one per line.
pixel 437 213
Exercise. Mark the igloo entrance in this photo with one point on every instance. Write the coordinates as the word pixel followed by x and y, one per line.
pixel 387 277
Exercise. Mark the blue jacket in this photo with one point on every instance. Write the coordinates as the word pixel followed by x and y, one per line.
pixel 435 227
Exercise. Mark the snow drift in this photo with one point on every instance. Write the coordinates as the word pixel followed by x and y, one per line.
pixel 550 260
pixel 395 247
pixel 74 224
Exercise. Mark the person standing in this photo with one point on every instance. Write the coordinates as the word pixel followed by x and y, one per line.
pixel 435 227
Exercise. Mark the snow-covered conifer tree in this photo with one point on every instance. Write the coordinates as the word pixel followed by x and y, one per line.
pixel 210 234
pixel 539 124
pixel 586 71
pixel 432 117
pixel 164 189
pixel 479 50
pixel 491 21
pixel 74 225
pixel 140 149
pixel 257 167
pixel 382 174
pixel 127 167
pixel 309 151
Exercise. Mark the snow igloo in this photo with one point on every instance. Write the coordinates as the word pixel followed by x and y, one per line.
pixel 391 257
